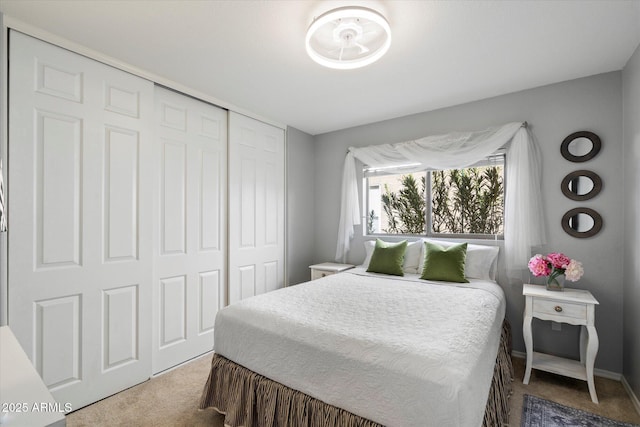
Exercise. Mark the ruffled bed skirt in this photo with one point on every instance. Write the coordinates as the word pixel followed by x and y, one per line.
pixel 252 400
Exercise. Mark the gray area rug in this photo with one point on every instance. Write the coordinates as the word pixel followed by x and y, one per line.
pixel 538 412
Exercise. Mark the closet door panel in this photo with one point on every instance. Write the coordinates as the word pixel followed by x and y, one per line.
pixel 121 194
pixel 120 308
pixel 173 193
pixel 121 100
pixel 190 261
pixel 248 199
pixel 79 257
pixel 211 201
pixel 58 331
pixel 173 302
pixel 209 296
pixel 57 188
pixel 256 207
pixel 53 78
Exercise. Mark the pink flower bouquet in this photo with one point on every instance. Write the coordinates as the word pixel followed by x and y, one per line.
pixel 555 265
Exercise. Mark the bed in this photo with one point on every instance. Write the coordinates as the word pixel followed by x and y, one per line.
pixel 364 349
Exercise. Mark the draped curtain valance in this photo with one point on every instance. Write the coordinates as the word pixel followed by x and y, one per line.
pixel 524 224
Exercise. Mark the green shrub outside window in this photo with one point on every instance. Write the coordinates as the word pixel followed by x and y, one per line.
pixel 467 201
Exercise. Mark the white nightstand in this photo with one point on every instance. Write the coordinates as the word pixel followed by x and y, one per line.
pixel 573 306
pixel 327 268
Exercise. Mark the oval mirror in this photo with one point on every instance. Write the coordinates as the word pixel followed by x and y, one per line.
pixel 581 185
pixel 580 146
pixel 582 222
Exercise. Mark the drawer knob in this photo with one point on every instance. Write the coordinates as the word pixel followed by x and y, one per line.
pixel 558 308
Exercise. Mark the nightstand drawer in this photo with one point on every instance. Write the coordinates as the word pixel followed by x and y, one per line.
pixel 557 308
pixel 317 274
pixel 319 271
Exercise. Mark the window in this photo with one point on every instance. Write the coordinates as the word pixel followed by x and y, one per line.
pixel 467 201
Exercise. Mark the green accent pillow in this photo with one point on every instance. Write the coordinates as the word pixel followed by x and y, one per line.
pixel 443 264
pixel 387 258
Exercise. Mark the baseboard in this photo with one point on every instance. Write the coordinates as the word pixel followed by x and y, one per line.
pixel 632 395
pixel 157 374
pixel 597 372
pixel 519 354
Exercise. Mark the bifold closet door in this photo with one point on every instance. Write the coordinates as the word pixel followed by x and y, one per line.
pixel 256 207
pixel 80 251
pixel 190 226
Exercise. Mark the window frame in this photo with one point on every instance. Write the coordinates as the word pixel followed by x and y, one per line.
pixel 428 199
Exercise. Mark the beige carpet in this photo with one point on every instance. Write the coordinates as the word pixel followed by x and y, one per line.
pixel 172 399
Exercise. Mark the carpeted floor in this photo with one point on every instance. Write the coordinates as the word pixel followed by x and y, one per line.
pixel 614 400
pixel 172 399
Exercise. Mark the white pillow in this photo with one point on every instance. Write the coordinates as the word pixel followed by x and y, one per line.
pixel 412 256
pixel 479 263
pixel 369 246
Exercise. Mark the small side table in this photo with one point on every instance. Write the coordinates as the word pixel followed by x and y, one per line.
pixel 572 306
pixel 327 269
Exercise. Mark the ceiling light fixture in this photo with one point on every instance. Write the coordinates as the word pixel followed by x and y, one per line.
pixel 348 37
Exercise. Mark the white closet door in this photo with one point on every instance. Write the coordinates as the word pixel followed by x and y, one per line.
pixel 190 222
pixel 256 207
pixel 79 220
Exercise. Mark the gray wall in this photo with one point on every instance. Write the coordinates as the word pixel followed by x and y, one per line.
pixel 300 205
pixel 631 279
pixel 553 112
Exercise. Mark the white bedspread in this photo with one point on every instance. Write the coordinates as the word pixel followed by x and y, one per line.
pixel 398 351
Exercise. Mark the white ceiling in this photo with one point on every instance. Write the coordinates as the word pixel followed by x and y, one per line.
pixel 251 53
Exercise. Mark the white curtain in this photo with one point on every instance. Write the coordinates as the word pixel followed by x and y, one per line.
pixel 524 223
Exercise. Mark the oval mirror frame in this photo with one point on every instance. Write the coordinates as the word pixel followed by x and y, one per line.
pixel 594 177
pixel 597 222
pixel 595 149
